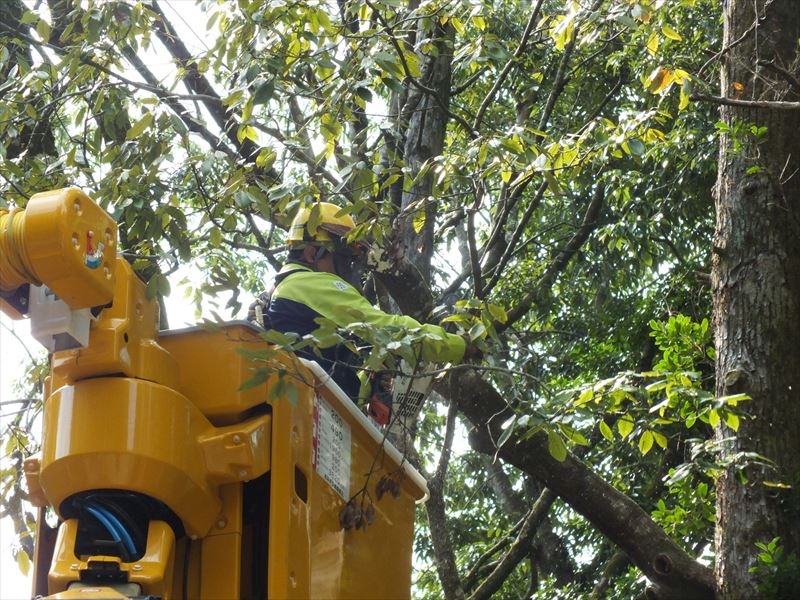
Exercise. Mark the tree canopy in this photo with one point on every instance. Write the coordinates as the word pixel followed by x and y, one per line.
pixel 539 172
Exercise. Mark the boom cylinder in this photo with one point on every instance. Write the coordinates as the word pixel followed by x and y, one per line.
pixel 15 268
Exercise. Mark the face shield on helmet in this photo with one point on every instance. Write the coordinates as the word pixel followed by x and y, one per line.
pixel 349 262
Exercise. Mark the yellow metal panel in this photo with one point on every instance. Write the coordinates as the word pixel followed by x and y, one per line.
pixel 214 368
pixel 289 559
pixel 127 434
pixel 122 340
pixel 238 452
pixel 310 555
pixel 120 433
pixel 154 571
pixel 374 562
pixel 222 549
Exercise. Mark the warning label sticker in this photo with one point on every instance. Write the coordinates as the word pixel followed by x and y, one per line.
pixel 331 452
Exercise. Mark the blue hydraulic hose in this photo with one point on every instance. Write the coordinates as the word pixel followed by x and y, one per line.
pixel 113 525
pixel 127 540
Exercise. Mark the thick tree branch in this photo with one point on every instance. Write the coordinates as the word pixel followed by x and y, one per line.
pixel 435 508
pixel 195 81
pixel 515 237
pixel 767 104
pixel 519 548
pixel 590 221
pixel 673 573
pixel 501 77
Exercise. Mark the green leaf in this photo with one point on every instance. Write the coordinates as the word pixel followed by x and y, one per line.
pixel 606 431
pixel 43 29
pixel 138 128
pixel 314 219
pixel 498 313
pixel 291 393
pixel 477 331
pixel 573 435
pixel 646 442
pixel 713 417
pixel 264 92
pixel 660 439
pixel 556 446
pixel 508 429
pixel 636 147
pixel 259 377
pixel 625 426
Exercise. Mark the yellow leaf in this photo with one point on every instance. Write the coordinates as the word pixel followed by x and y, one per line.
pixel 652 44
pixel 419 220
pixel 732 421
pixel 684 100
pixel 479 22
pixel 23 562
pixel 660 439
pixel 586 396
pixel 679 75
pixel 659 80
pixel 293 51
pixel 671 33
pixel 246 132
pixel 364 12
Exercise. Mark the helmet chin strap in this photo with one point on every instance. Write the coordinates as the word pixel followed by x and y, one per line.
pixel 319 255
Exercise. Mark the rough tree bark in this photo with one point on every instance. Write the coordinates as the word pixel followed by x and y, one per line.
pixel 756 282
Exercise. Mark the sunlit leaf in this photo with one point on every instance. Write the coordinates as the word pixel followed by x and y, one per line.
pixel 625 426
pixel 671 33
pixel 646 442
pixel 556 446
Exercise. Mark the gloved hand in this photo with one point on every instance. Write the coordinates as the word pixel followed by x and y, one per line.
pixel 380 401
pixel 257 311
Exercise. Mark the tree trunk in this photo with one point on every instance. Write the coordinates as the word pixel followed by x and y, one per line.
pixel 756 282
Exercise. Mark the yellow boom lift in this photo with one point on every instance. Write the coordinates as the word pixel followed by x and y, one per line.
pixel 170 479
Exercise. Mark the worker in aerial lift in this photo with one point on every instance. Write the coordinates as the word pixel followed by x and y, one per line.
pixel 321 273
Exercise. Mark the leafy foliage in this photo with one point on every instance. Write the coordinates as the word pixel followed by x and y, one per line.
pixel 543 158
